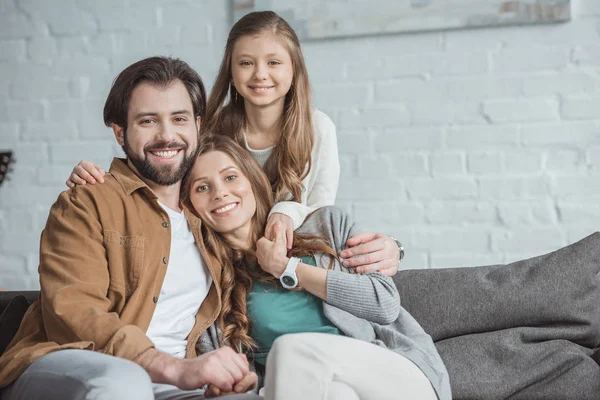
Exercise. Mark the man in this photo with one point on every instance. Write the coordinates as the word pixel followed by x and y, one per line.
pixel 123 270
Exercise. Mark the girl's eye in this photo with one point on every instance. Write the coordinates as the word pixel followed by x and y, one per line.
pixel 245 63
pixel 230 177
pixel 274 63
pixel 202 188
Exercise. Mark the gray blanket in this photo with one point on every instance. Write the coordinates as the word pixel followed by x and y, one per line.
pixel 526 330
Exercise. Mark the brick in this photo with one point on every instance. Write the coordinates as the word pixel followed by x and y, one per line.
pixel 578 232
pixel 404 90
pixel 586 55
pixel 18 111
pixel 451 240
pixel 508 188
pixel 19 220
pixel 385 213
pixel 459 63
pixel 347 96
pixel 409 138
pixel 409 164
pixel 414 260
pixel 12 49
pixel 526 213
pixel 581 134
pixel 560 83
pixel 348 166
pixel 116 16
pixel 333 74
pixel 459 213
pixel 523 161
pixel 80 22
pixel 35 88
pixel 561 162
pixel 374 189
pixel 531 59
pixel 581 107
pixel 482 88
pixel 445 113
pixel 42 49
pixel 485 163
pixel 34 132
pixel 9 132
pixel 444 164
pixel 576 187
pixel 587 8
pixel 532 241
pixel 571 212
pixel 166 36
pixel 19 242
pixel 482 137
pixel 374 116
pixel 442 188
pixel 355 141
pixel 54 176
pixel 593 156
pixel 15 25
pixel 20 175
pixel 465 259
pixel 72 153
pixel 22 282
pixel 521 110
pixel 31 153
pixel 375 166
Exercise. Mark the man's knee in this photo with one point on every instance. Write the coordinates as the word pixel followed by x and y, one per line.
pixel 119 379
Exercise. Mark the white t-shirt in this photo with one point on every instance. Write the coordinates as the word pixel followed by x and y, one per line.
pixel 185 287
pixel 321 183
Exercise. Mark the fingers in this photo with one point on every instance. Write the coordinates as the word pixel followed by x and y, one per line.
pixel 269 229
pixel 363 249
pixel 359 238
pixel 388 271
pixel 363 260
pixel 212 391
pixel 279 233
pixel 289 233
pixel 248 382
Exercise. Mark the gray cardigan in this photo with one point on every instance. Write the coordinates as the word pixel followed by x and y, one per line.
pixel 365 307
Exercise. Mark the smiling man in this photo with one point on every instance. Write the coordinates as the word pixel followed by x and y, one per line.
pixel 126 287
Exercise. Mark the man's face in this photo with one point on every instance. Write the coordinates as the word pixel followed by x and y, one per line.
pixel 161 138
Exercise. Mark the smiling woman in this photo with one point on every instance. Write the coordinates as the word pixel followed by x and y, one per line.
pixel 268 293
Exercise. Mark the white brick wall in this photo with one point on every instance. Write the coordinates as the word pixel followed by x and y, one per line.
pixel 471 146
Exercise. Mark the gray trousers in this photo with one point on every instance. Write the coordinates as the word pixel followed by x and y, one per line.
pixel 83 374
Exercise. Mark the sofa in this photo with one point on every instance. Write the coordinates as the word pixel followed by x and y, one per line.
pixel 525 330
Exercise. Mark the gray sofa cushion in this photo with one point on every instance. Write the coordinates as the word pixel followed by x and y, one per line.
pixel 518 330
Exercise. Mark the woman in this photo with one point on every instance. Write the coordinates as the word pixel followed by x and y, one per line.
pixel 352 339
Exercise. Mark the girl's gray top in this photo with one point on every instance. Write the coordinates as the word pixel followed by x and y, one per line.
pixel 365 307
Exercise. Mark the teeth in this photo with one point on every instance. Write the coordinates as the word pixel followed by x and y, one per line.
pixel 165 154
pixel 226 208
pixel 260 89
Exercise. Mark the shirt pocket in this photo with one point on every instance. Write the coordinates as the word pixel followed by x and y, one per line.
pixel 125 256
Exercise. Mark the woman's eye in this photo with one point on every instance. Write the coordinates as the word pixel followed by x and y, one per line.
pixel 230 177
pixel 202 188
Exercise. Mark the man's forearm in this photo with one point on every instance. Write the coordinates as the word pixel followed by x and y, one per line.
pixel 161 367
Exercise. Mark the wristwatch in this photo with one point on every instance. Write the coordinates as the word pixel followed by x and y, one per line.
pixel 400 247
pixel 288 279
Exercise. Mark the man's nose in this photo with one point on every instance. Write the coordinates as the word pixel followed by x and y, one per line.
pixel 167 132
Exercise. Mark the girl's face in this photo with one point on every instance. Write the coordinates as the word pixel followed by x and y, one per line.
pixel 222 195
pixel 262 70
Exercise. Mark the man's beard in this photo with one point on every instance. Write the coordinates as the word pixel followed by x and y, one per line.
pixel 164 175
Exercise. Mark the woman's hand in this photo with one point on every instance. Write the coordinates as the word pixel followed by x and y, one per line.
pixel 86 172
pixel 372 252
pixel 288 226
pixel 272 255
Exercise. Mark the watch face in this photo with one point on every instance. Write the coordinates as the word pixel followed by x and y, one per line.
pixel 288 280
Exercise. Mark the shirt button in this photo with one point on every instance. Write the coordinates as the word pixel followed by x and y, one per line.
pixel 165 260
pixel 155 299
pixel 165 224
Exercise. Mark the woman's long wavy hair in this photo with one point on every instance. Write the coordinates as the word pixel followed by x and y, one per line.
pixel 237 276
pixel 291 160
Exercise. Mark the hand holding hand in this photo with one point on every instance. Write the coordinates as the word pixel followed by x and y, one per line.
pixel 272 255
pixel 372 252
pixel 288 227
pixel 85 172
pixel 248 382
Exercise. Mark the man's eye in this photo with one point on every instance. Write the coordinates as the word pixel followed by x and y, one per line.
pixel 180 119
pixel 146 121
pixel 230 177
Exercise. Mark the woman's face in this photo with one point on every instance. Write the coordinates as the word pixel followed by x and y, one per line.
pixel 261 69
pixel 222 195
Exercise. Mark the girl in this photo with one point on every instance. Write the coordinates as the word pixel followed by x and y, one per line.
pixel 351 337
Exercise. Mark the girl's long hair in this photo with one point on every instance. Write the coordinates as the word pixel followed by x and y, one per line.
pixel 237 275
pixel 291 160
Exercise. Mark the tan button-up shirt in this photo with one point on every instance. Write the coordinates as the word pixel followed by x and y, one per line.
pixel 103 258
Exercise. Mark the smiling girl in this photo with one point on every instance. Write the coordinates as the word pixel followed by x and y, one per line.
pixel 314 329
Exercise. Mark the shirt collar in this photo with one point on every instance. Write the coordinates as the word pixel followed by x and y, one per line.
pixel 128 180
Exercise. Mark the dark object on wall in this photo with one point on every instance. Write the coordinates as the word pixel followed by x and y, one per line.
pixel 5 161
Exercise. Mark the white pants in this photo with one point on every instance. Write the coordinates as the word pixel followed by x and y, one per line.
pixel 329 367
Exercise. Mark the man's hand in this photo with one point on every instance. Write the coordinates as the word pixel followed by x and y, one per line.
pixel 372 252
pixel 288 227
pixel 272 255
pixel 222 368
pixel 85 172
pixel 248 382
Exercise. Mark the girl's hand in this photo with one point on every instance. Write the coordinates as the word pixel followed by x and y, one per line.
pixel 288 226
pixel 372 252
pixel 86 172
pixel 272 255
pixel 247 383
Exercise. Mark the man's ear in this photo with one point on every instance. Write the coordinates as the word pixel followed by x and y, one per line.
pixel 119 134
pixel 198 121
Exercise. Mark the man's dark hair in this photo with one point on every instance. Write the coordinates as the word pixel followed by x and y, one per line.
pixel 160 71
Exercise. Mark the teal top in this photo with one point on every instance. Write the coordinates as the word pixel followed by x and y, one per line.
pixel 276 311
